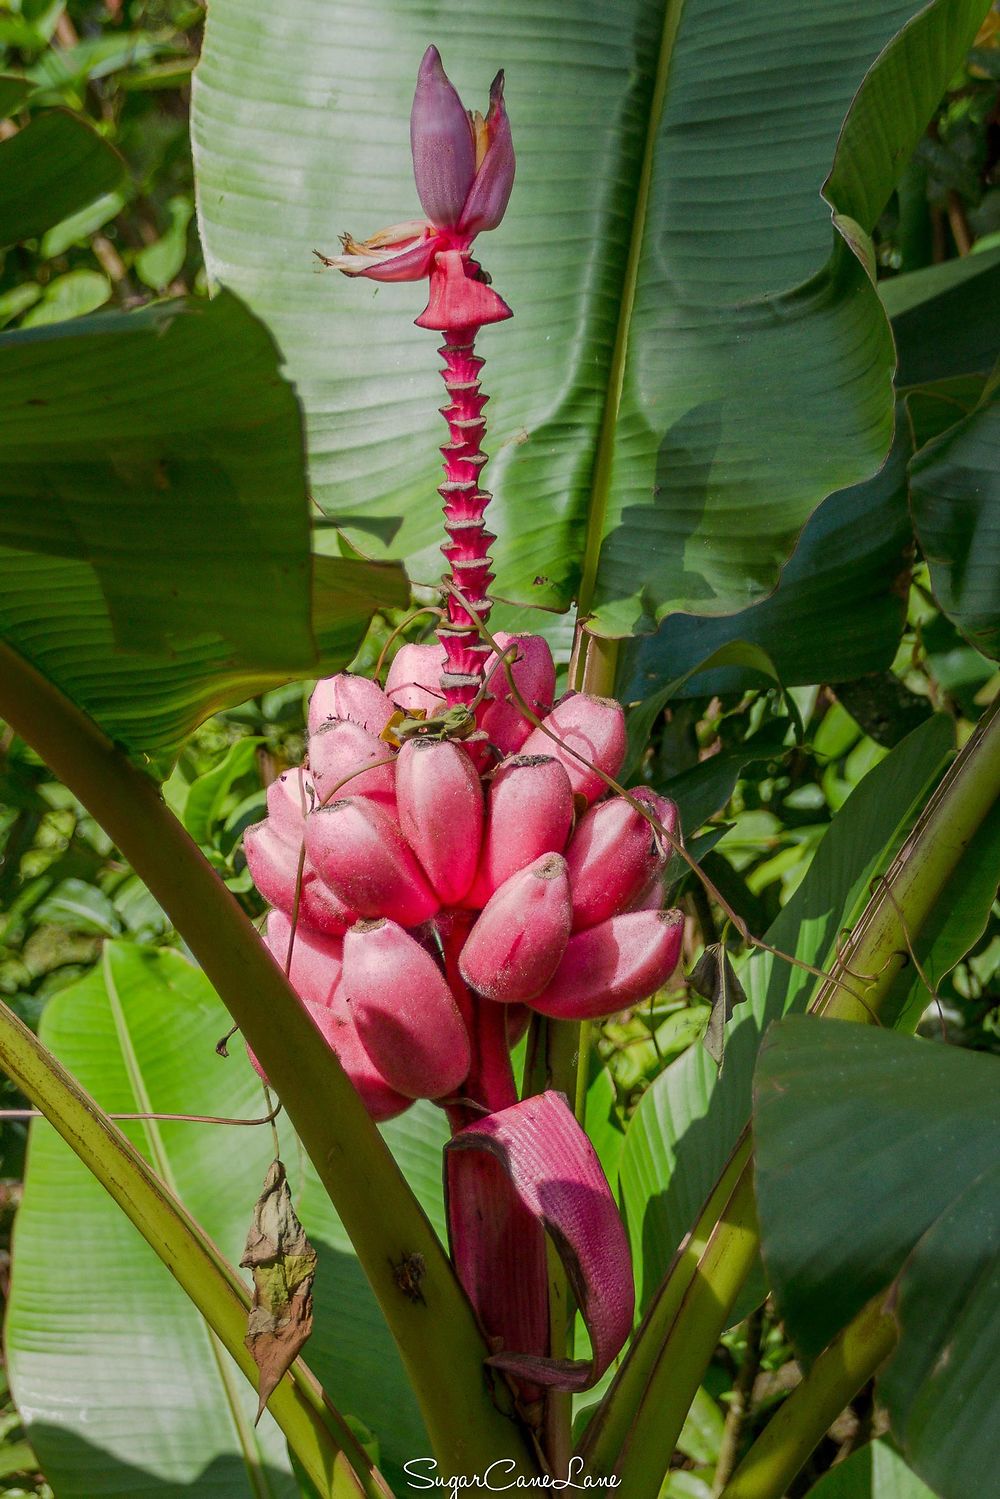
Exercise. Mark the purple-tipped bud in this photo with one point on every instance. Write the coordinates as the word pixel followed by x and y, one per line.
pixel 614 855
pixel 440 800
pixel 614 965
pixel 404 1011
pixel 490 192
pixel 515 946
pixel 530 814
pixel 592 726
pixel 273 861
pixel 337 750
pixel 350 697
pixel 316 976
pixel 361 854
pixel 444 149
pixel 414 679
pixel 534 676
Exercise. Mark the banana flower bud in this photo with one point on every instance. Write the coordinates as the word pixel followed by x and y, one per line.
pixel 463 165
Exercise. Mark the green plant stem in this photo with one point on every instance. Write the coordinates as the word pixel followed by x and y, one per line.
pixel 740 1402
pixel 467 1415
pixel 635 1429
pixel 321 1440
pixel 798 1426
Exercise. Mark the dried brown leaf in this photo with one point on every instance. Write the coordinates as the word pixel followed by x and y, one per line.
pixel 283 1264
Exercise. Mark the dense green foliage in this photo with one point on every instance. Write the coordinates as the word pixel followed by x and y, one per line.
pixel 838 642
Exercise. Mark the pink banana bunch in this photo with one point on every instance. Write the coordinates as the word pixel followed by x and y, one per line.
pixel 424 893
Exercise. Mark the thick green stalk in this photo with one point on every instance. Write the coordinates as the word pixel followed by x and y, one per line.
pixel 316 1433
pixel 437 1336
pixel 811 1409
pixel 636 1427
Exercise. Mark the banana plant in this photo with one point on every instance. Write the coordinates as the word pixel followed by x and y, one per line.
pixel 698 362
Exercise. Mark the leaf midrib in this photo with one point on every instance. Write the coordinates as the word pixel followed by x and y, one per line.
pixel 600 486
pixel 256 1477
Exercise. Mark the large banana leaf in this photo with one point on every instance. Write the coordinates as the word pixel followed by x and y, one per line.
pixel 154 530
pixel 838 610
pixel 112 1368
pixel 698 358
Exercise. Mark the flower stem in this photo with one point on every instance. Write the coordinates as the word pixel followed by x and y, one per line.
pixel 465 502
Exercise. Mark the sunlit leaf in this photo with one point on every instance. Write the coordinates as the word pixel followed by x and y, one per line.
pixel 698 357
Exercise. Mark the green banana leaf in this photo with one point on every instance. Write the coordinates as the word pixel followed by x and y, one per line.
pixel 877 1164
pixel 838 610
pixel 698 356
pixel 154 533
pixel 119 1383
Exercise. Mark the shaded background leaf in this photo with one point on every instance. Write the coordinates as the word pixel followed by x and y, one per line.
pixel 130 442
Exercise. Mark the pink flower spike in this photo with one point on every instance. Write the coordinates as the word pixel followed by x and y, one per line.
pixel 530 814
pixel 609 967
pixel 534 674
pixel 361 854
pixel 592 726
pixel 553 1174
pixel 441 813
pixel 337 750
pixel 404 1011
pixel 443 144
pixel 515 946
pixel 490 192
pixel 614 854
pixel 414 678
pixel 354 698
